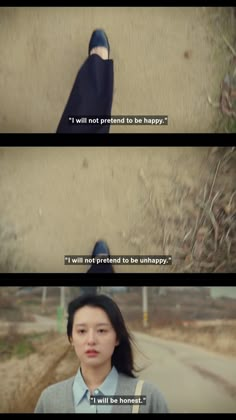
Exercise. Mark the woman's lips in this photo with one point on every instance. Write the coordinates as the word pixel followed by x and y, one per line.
pixel 92 353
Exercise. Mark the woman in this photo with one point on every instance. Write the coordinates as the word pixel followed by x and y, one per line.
pixel 97 331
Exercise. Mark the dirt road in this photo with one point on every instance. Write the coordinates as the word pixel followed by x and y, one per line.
pixel 40 324
pixel 193 380
pixel 59 201
pixel 166 61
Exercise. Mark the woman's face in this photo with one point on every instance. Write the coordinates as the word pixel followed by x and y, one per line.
pixel 93 337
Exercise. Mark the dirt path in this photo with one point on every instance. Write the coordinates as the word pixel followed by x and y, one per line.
pixel 208 380
pixel 40 324
pixel 59 201
pixel 167 61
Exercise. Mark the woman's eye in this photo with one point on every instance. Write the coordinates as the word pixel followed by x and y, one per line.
pixel 81 331
pixel 101 330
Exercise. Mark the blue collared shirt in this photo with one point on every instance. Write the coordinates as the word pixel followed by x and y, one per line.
pixel 82 395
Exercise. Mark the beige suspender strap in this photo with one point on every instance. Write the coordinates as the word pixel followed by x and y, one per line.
pixel 138 391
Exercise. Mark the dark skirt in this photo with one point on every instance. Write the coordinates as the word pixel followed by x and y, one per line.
pixel 91 96
pixel 101 268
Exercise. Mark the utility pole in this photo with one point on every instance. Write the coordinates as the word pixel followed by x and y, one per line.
pixel 62 297
pixel 60 310
pixel 43 302
pixel 145 306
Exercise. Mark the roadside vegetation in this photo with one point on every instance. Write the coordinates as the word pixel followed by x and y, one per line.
pixel 31 362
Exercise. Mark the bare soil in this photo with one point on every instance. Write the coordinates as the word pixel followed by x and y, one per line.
pixel 169 61
pixel 143 201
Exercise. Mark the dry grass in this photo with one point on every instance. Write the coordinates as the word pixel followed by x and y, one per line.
pixel 11 310
pixel 53 362
pixel 219 338
pixel 16 344
pixel 198 226
pixel 214 338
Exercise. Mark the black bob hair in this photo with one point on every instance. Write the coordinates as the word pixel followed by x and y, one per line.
pixel 122 357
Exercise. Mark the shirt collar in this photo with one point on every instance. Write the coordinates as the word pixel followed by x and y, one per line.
pixel 108 387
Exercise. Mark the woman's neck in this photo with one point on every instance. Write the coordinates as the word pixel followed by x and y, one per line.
pixel 93 377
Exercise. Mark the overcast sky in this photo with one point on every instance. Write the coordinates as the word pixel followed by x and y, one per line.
pixel 223 291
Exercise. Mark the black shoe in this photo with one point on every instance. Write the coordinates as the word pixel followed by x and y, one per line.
pixel 100 248
pixel 99 39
